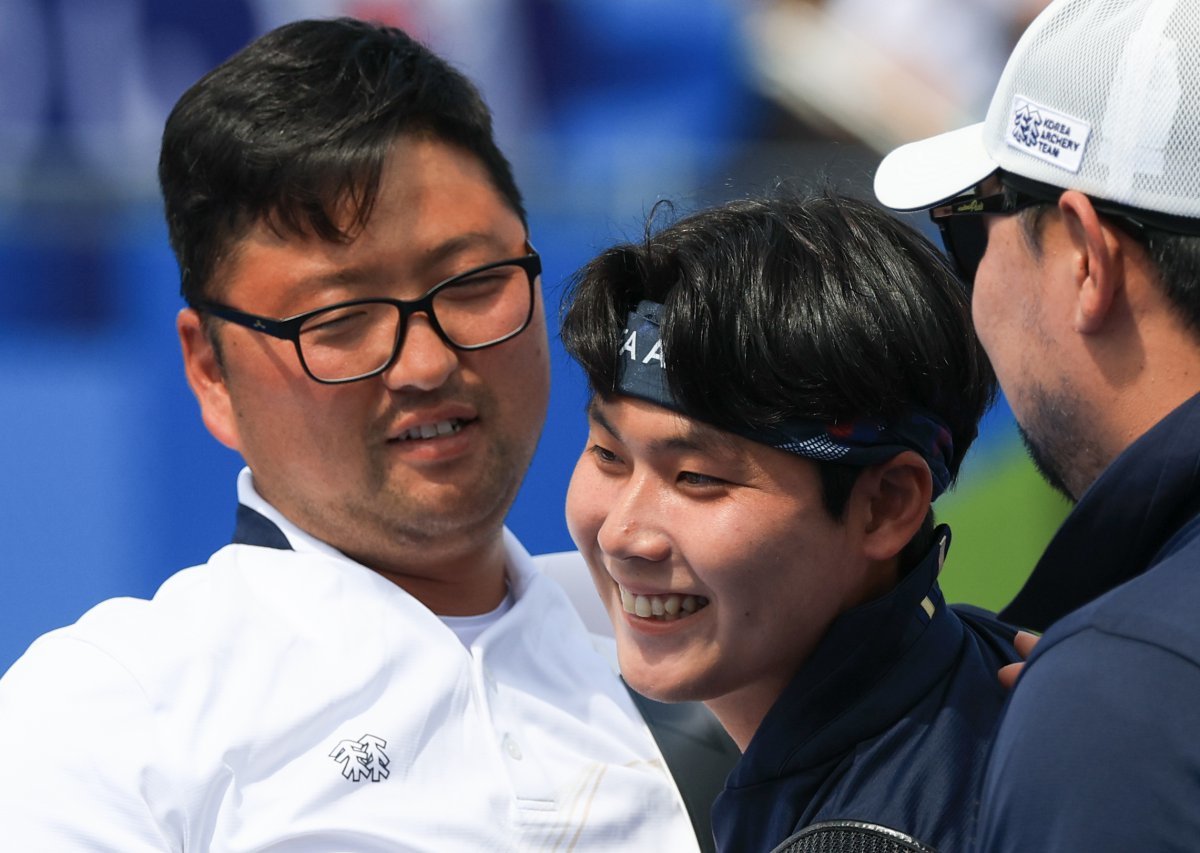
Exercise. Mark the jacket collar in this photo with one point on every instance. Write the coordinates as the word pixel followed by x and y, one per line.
pixel 824 710
pixel 1122 521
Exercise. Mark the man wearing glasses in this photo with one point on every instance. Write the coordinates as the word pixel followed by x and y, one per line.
pixel 374 663
pixel 1073 211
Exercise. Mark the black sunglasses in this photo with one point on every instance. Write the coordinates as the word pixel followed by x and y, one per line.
pixel 965 235
pixel 963 231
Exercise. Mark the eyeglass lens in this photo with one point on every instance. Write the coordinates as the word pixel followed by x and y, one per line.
pixel 478 310
pixel 966 241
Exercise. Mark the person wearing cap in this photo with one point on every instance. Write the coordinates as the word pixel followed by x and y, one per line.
pixel 780 387
pixel 1073 213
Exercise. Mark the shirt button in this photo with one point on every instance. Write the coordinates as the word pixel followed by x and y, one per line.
pixel 510 746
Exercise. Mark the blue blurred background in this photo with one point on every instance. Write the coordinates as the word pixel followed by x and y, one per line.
pixel 604 106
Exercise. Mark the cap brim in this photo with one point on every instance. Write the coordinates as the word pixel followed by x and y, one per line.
pixel 923 174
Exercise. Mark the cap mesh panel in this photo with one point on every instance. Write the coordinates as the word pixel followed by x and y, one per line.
pixel 1131 70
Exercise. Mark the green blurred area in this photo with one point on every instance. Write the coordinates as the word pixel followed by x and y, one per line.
pixel 1002 515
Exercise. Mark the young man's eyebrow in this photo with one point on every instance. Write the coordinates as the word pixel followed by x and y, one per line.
pixel 693 436
pixel 596 416
pixel 706 439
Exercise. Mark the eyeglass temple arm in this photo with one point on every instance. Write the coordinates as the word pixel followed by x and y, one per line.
pixel 281 329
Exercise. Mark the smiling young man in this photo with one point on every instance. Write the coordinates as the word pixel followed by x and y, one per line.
pixel 781 387
pixel 374 664
pixel 1073 210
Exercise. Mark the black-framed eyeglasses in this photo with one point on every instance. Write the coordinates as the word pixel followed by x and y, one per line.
pixel 360 338
pixel 965 235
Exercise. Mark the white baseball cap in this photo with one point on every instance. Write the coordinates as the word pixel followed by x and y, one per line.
pixel 1102 96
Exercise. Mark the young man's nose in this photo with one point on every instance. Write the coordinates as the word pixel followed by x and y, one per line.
pixel 632 528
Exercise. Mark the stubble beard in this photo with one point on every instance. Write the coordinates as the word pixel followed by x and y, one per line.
pixel 1055 433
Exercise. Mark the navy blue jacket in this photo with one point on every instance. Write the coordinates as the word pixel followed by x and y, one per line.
pixel 888 722
pixel 1099 749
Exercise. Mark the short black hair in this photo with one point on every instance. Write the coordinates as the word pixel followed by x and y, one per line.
pixel 294 130
pixel 1177 259
pixel 792 306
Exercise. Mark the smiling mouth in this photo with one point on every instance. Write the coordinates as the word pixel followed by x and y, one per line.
pixel 434 430
pixel 661 608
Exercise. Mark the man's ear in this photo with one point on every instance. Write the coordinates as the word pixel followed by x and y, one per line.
pixel 893 499
pixel 1098 267
pixel 207 378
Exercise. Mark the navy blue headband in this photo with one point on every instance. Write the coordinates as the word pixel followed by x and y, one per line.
pixel 641 373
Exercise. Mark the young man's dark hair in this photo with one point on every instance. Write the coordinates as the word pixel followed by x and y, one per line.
pixel 287 133
pixel 755 288
pixel 781 387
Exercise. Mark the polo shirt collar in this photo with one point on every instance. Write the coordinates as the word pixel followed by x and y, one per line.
pixel 259 523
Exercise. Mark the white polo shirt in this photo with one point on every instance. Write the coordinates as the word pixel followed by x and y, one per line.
pixel 297 700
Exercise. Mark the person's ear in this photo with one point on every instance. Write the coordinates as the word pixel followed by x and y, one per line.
pixel 894 499
pixel 206 377
pixel 1097 261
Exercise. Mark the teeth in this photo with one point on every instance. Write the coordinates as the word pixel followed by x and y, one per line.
pixel 664 608
pixel 432 430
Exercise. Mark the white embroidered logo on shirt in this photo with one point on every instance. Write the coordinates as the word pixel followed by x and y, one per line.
pixel 362 759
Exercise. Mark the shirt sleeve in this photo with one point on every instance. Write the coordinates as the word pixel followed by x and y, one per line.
pixel 1098 751
pixel 77 741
